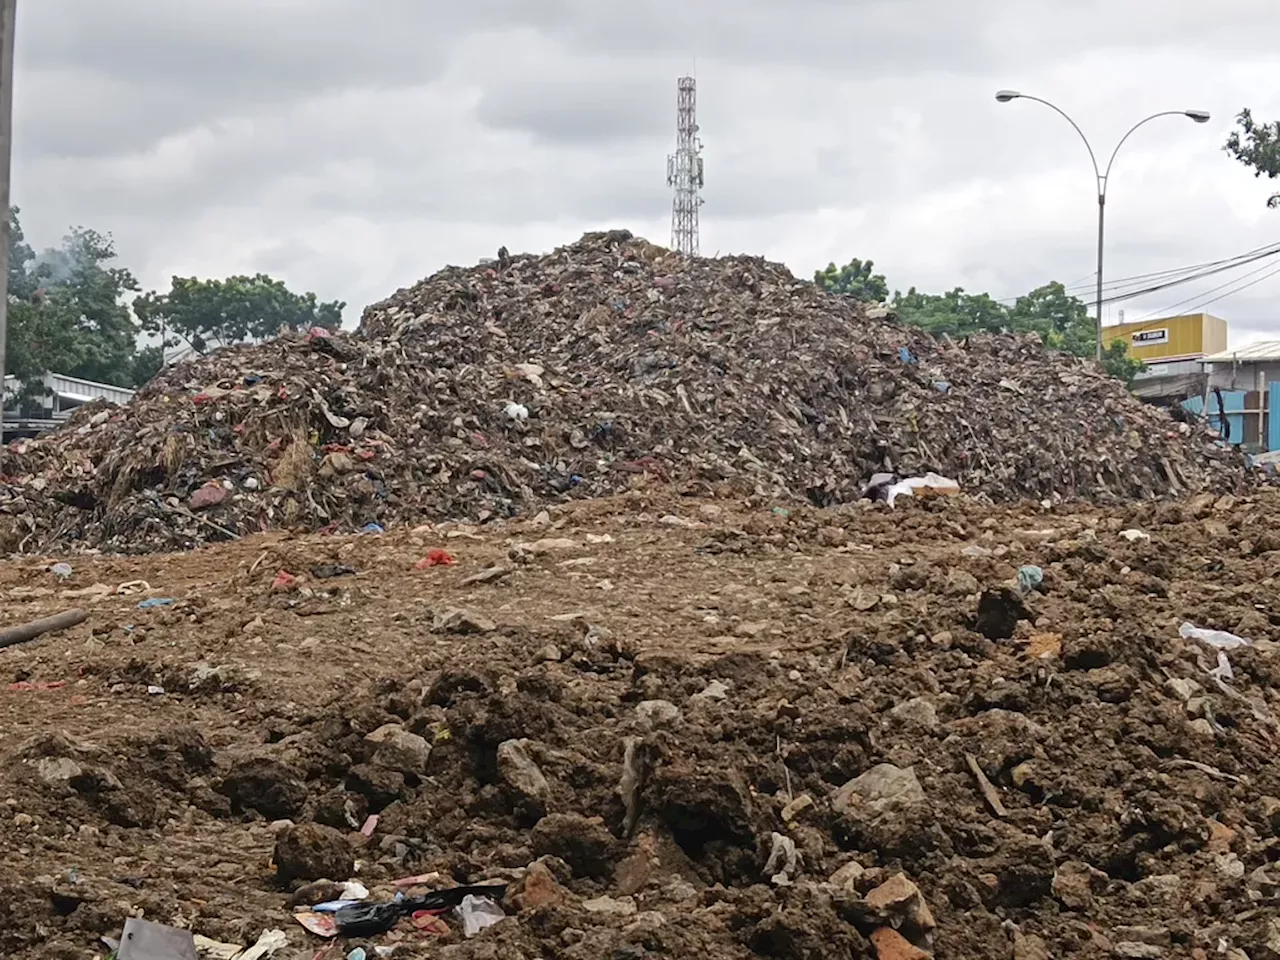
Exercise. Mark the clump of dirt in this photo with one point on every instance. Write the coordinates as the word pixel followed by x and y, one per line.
pixel 311 851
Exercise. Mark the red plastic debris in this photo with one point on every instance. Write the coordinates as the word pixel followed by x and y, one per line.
pixel 428 921
pixel 284 582
pixel 436 558
pixel 24 686
pixel 210 495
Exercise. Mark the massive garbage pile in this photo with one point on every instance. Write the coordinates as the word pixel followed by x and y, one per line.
pixel 487 391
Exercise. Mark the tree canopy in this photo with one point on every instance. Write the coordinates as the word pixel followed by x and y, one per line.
pixel 66 309
pixel 217 313
pixel 1257 145
pixel 855 279
pixel 69 312
pixel 1061 320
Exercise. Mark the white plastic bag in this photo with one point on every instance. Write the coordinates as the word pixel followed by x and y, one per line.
pixel 478 913
pixel 1218 639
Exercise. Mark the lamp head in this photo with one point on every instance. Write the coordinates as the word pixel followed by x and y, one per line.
pixel 1004 96
pixel 1199 116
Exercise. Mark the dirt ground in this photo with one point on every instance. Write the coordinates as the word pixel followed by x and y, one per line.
pixel 639 701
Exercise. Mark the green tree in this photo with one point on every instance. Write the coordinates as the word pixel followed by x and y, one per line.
pixel 955 313
pixel 1061 320
pixel 66 312
pixel 855 279
pixel 146 364
pixel 1257 145
pixel 1117 362
pixel 217 313
pixel 81 282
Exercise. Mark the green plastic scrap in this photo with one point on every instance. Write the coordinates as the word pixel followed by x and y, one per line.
pixel 1029 577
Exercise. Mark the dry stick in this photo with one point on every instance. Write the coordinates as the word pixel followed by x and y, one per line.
pixel 29 631
pixel 989 792
pixel 208 523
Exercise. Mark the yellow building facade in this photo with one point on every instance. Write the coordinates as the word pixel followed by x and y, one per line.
pixel 1170 339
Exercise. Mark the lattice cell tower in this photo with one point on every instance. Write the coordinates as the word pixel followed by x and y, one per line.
pixel 684 170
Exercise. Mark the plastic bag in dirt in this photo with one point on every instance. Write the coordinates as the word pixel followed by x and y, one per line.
pixel 479 913
pixel 1218 639
pixel 930 485
pixel 370 919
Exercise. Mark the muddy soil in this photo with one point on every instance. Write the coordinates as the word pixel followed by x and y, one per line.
pixel 675 728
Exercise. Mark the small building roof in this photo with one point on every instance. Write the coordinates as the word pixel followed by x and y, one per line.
pixel 1257 352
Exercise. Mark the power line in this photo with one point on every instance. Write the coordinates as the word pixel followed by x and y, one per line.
pixel 1155 288
pixel 1125 288
pixel 1244 286
pixel 1191 268
pixel 1168 311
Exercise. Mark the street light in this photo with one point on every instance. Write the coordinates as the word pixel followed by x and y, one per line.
pixel 1199 116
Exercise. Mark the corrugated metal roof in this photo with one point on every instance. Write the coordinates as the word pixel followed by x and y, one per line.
pixel 1260 351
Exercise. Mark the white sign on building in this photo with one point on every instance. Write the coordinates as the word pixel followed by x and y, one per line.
pixel 1150 338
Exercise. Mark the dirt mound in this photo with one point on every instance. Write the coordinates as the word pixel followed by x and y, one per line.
pixel 488 391
pixel 691 730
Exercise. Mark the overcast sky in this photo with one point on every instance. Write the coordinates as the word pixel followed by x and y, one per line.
pixel 353 146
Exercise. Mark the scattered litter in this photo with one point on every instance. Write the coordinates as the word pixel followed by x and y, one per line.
pixel 96 591
pixel 478 913
pixel 266 945
pixel 1029 579
pixel 328 571
pixel 930 485
pixel 781 865
pixel 371 919
pixel 370 824
pixel 429 921
pixel 30 686
pixel 1223 672
pixel 152 602
pixel 435 558
pixel 1134 535
pixel 322 925
pixel 354 890
pixel 214 950
pixel 1218 639
pixel 284 582
pixel 143 940
pixel 61 570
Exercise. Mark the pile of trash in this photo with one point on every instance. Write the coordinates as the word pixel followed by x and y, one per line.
pixel 484 392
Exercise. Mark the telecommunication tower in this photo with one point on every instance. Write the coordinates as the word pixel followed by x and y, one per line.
pixel 684 170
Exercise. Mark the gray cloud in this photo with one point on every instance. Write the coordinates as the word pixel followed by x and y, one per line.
pixel 351 148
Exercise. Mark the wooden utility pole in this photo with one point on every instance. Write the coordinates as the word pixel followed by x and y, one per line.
pixel 8 17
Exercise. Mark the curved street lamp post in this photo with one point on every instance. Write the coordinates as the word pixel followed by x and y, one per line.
pixel 1101 176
